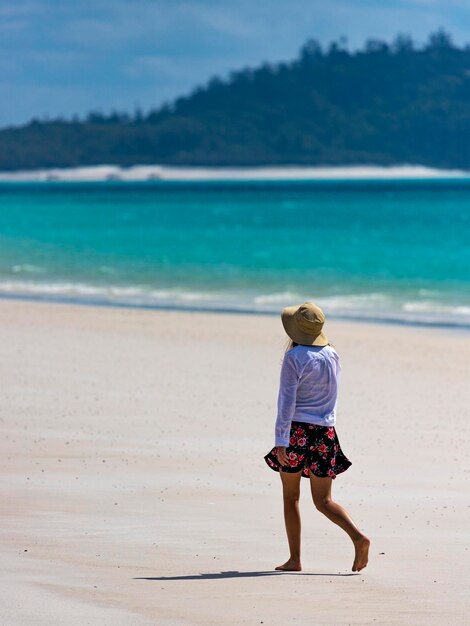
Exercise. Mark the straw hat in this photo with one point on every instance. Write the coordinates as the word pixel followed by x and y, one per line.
pixel 304 324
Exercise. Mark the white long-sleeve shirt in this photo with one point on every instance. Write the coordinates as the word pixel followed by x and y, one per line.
pixel 308 389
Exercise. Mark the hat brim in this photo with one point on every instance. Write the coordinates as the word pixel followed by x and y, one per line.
pixel 296 334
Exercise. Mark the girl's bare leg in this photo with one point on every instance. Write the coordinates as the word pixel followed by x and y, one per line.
pixel 291 495
pixel 321 493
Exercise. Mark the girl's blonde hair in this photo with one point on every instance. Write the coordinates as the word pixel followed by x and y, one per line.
pixel 290 344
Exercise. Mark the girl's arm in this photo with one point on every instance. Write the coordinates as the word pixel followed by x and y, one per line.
pixel 286 401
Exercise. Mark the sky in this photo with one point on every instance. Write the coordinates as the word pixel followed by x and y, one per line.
pixel 66 57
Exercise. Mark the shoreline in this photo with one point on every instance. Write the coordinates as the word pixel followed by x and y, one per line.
pixel 463 327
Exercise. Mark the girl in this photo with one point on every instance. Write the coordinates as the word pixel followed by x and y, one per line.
pixel 306 443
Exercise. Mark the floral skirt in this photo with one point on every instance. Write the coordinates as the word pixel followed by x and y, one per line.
pixel 311 447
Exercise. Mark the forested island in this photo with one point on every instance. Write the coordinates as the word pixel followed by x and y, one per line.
pixel 384 104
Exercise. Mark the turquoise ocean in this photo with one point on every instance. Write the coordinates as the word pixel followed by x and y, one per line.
pixel 391 250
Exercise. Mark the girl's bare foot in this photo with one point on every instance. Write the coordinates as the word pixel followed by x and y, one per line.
pixel 362 554
pixel 291 565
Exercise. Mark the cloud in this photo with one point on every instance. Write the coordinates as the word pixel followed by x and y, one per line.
pixel 113 29
pixel 18 9
pixel 151 66
pixel 226 21
pixel 15 17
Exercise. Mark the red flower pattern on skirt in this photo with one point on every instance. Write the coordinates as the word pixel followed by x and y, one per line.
pixel 311 447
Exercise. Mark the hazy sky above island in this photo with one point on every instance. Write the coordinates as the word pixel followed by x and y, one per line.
pixel 59 57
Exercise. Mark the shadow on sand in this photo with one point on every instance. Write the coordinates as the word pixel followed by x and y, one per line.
pixel 235 574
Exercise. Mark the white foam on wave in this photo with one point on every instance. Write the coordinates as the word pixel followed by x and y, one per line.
pixel 361 300
pixel 372 306
pixel 135 294
pixel 278 298
pixel 287 172
pixel 436 308
pixel 26 268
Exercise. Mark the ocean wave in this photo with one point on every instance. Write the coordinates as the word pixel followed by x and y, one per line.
pixel 367 306
pixel 278 298
pixel 159 172
pixel 136 294
pixel 436 308
pixel 26 268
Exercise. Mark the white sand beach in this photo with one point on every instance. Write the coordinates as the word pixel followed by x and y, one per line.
pixel 134 490
pixel 95 173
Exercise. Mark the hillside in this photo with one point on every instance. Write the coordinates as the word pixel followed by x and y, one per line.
pixel 384 104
